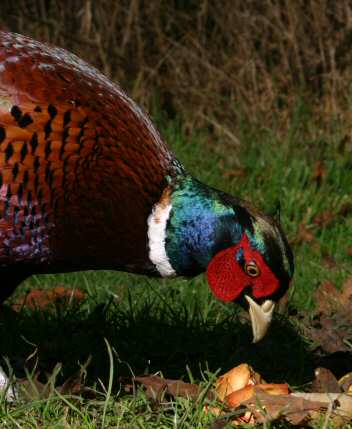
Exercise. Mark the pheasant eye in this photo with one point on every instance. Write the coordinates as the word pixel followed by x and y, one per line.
pixel 252 269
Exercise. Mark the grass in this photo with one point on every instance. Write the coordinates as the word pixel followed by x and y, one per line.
pixel 135 325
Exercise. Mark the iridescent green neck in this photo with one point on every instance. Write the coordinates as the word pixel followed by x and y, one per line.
pixel 201 223
pixel 193 222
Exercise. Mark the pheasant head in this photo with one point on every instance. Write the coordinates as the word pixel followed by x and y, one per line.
pixel 246 257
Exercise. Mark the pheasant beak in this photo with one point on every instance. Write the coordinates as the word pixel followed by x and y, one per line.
pixel 261 316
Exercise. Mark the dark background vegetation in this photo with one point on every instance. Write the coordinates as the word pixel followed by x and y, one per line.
pixel 210 62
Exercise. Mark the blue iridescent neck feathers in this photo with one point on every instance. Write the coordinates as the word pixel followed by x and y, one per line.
pixel 203 221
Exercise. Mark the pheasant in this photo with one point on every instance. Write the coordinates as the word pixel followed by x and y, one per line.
pixel 87 182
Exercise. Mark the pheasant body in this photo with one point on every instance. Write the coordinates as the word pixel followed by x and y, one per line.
pixel 78 158
pixel 86 182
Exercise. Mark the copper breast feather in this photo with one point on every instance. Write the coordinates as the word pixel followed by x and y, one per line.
pixel 80 164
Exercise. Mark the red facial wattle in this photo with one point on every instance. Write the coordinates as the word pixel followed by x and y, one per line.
pixel 227 278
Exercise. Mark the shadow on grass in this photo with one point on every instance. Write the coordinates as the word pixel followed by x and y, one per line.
pixel 150 340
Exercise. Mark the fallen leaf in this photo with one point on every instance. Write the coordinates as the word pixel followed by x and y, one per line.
pixel 340 406
pixel 300 408
pixel 236 398
pixel 330 299
pixel 304 235
pixel 42 299
pixel 74 384
pixel 157 386
pixel 332 321
pixel 266 408
pixel 349 250
pixel 324 219
pixel 325 381
pixel 326 297
pixel 345 383
pixel 329 337
pixel 253 401
pixel 236 379
pixel 30 388
pixel 265 402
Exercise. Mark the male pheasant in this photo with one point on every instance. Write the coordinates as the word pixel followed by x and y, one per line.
pixel 86 182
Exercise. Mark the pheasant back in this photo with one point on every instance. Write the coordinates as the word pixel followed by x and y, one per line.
pixel 80 164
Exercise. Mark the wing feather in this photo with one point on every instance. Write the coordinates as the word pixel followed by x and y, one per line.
pixel 77 159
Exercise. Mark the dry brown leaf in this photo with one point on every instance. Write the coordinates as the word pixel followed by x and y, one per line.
pixel 327 297
pixel 244 417
pixel 331 327
pixel 324 219
pixel 305 235
pixel 42 299
pixel 297 411
pixel 338 404
pixel 349 250
pixel 236 379
pixel 325 381
pixel 236 398
pixel 303 409
pixel 263 403
pixel 345 383
pixel 34 389
pixel 31 388
pixel 157 386
pixel 74 384
pixel 329 337
pixel 243 390
pixel 238 386
pixel 330 299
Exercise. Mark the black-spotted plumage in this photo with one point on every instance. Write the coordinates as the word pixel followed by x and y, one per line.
pixel 78 158
pixel 88 183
